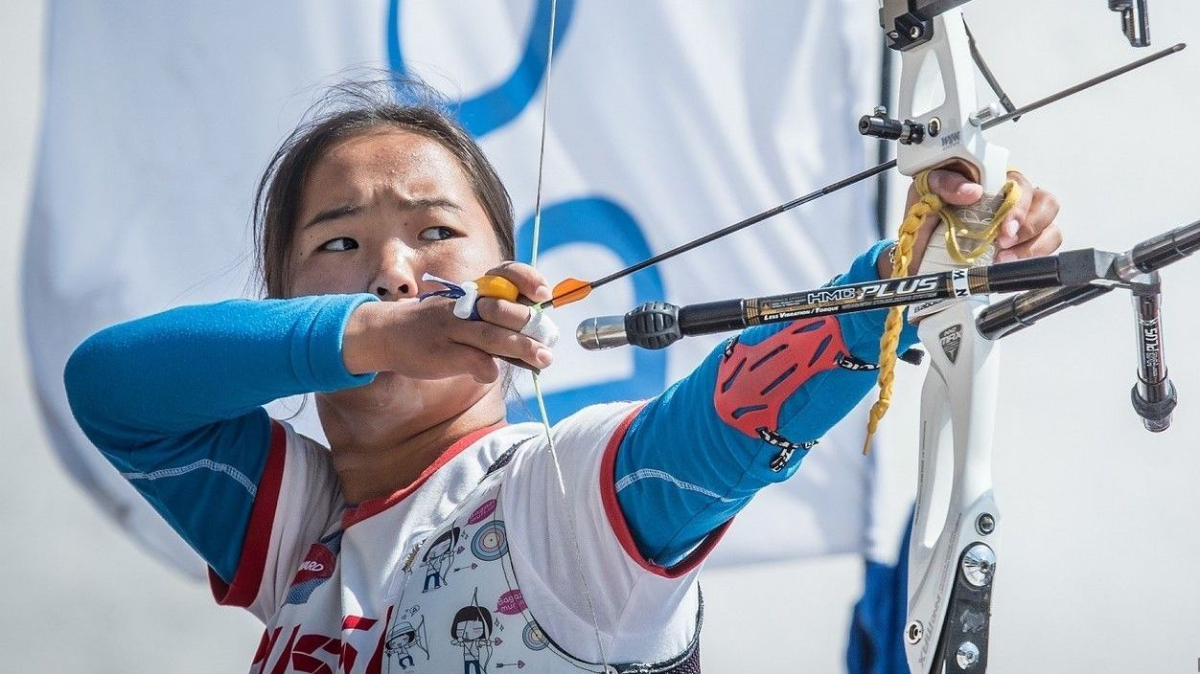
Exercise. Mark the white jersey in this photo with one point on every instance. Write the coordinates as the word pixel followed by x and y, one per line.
pixel 471 569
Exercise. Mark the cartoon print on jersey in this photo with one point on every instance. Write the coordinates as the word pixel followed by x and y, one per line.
pixel 753 382
pixel 403 638
pixel 490 541
pixel 511 603
pixel 472 630
pixel 439 558
pixel 481 513
pixel 533 636
pixel 317 567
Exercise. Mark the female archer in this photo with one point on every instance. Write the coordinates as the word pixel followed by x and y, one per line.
pixel 355 209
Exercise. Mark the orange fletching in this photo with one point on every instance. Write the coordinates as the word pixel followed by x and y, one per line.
pixel 570 290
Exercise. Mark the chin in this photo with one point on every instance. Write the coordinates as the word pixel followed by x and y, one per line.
pixel 406 397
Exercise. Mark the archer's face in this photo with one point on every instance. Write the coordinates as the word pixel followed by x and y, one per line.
pixel 401 640
pixel 469 630
pixel 381 209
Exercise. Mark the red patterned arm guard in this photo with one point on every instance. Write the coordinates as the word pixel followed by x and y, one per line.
pixel 753 382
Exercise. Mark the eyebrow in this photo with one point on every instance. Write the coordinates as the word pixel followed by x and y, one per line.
pixel 347 210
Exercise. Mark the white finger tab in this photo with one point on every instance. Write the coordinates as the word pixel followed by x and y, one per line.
pixel 465 305
pixel 541 328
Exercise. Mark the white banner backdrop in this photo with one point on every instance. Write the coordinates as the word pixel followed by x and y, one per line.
pixel 667 120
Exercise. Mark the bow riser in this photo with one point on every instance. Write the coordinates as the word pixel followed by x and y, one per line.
pixel 948 618
pixel 954 497
pixel 938 98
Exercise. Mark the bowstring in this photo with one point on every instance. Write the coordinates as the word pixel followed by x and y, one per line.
pixel 537 386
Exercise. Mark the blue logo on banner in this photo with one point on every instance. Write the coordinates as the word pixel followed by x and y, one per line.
pixel 502 103
pixel 604 223
pixel 590 220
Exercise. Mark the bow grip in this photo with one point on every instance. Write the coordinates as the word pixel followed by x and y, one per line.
pixel 966 235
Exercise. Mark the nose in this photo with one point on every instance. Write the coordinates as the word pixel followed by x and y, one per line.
pixel 394 278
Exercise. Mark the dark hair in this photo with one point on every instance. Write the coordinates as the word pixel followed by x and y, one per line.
pixel 450 535
pixel 471 613
pixel 348 109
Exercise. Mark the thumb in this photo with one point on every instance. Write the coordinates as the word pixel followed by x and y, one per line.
pixel 954 188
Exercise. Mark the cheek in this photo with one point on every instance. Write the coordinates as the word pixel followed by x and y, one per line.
pixel 468 261
pixel 323 275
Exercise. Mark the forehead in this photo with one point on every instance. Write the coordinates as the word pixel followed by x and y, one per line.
pixel 390 158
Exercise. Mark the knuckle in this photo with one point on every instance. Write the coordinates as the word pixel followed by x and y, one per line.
pixel 487 372
pixel 1056 236
pixel 488 332
pixel 440 317
pixel 1046 244
pixel 1050 201
pixel 488 308
pixel 941 180
pixel 477 360
pixel 519 314
pixel 530 348
pixel 515 268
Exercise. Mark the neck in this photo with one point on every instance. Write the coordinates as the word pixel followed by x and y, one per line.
pixel 380 449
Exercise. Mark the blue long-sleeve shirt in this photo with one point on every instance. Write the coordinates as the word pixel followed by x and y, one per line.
pixel 174 401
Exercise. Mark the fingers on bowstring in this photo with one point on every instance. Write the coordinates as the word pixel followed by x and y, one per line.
pixel 529 281
pixel 502 342
pixel 507 314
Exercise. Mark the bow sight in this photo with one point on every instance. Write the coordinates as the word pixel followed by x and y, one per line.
pixel 911 23
pixel 1135 23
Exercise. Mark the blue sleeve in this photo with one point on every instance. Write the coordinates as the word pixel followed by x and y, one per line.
pixel 745 418
pixel 174 400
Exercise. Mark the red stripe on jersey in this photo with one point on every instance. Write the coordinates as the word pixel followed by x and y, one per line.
pixel 616 518
pixel 248 577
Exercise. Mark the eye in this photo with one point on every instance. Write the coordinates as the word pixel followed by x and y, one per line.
pixel 436 234
pixel 339 244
